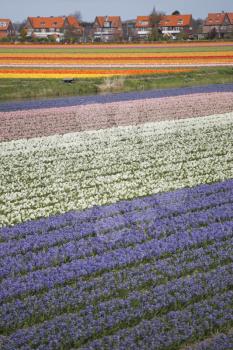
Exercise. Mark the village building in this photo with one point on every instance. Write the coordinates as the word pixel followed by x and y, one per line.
pixel 173 25
pixel 169 26
pixel 220 24
pixel 143 27
pixel 45 27
pixel 73 28
pixel 129 30
pixel 7 29
pixel 107 29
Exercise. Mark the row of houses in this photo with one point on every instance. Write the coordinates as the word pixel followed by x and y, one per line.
pixel 6 28
pixel 111 28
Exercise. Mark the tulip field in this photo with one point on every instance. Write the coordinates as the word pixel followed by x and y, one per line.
pixel 94 61
pixel 116 221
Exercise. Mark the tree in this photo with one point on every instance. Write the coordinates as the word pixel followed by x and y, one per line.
pixel 155 18
pixel 71 34
pixel 197 25
pixel 88 31
pixel 23 34
pixel 212 34
pixel 76 14
pixel 19 25
pixel 175 13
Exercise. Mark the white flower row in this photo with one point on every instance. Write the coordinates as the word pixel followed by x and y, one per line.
pixel 45 176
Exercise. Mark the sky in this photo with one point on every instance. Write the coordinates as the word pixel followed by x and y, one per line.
pixel 18 10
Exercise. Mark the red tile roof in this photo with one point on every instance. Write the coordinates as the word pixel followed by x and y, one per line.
pixel 230 16
pixel 73 21
pixel 116 21
pixel 166 21
pixel 176 21
pixel 4 24
pixel 47 22
pixel 143 22
pixel 215 19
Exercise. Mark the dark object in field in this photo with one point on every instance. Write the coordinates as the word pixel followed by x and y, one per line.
pixel 68 80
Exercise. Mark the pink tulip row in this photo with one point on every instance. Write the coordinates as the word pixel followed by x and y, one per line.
pixel 50 121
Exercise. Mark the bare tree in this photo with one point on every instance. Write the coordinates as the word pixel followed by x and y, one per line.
pixel 76 14
pixel 19 25
pixel 155 18
pixel 197 25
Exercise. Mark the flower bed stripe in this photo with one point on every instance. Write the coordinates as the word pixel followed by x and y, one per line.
pixel 31 257
pixel 130 96
pixel 196 321
pixel 52 74
pixel 47 303
pixel 73 330
pixel 170 277
pixel 118 235
pixel 49 121
pixel 109 165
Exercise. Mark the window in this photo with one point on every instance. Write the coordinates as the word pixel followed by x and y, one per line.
pixel 2 24
pixel 107 24
pixel 144 23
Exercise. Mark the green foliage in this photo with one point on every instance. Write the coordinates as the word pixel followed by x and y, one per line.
pixel 12 89
pixel 23 34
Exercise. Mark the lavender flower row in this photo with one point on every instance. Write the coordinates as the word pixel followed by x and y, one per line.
pixel 50 121
pixel 83 100
pixel 75 249
pixel 18 313
pixel 70 329
pixel 165 204
pixel 52 276
pixel 176 328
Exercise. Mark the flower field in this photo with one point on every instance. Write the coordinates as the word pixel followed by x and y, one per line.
pixel 88 61
pixel 116 221
pixel 16 73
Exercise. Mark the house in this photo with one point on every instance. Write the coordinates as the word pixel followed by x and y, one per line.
pixel 143 27
pixel 73 28
pixel 175 24
pixel 45 27
pixel 7 29
pixel 107 28
pixel 230 16
pixel 168 25
pixel 219 23
pixel 129 30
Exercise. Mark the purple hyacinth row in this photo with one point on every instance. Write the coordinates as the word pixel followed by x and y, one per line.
pixel 172 330
pixel 79 100
pixel 48 278
pixel 74 329
pixel 166 204
pixel 199 212
pixel 18 313
pixel 102 272
pixel 75 249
